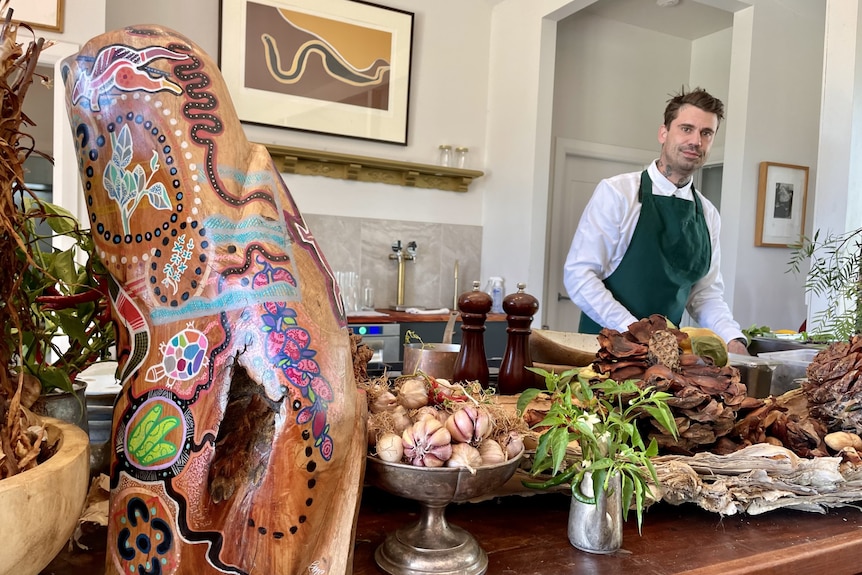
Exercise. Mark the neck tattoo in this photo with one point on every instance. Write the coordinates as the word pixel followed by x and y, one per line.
pixel 667 172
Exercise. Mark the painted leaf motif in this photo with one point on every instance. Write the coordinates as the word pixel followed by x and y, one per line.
pixel 155 440
pixel 112 176
pixel 140 178
pixel 147 439
pixel 130 187
pixel 159 196
pixel 160 451
pixel 154 162
pixel 122 155
pixel 136 437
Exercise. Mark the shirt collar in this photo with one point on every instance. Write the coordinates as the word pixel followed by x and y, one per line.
pixel 665 187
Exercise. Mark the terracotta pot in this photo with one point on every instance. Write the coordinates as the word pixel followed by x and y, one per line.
pixel 39 508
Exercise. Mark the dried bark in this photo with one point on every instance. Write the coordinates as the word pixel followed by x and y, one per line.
pixel 706 397
pixel 834 386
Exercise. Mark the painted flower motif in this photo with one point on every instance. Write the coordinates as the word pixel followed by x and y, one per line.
pixel 288 347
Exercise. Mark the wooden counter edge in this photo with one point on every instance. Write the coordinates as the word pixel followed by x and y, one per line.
pixel 837 555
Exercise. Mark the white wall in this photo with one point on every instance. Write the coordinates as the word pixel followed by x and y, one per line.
pixel 710 69
pixel 784 81
pixel 607 87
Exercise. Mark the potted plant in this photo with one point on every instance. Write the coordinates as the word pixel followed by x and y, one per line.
pixel 45 463
pixel 836 275
pixel 608 473
pixel 54 317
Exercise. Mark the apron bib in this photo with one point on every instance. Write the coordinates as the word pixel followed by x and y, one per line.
pixel 670 251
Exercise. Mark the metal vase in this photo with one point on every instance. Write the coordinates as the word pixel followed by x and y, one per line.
pixel 597 528
pixel 64 405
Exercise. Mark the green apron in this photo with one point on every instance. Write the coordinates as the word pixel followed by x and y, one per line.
pixel 669 252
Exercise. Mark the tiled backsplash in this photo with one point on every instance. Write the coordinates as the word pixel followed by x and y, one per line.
pixel 363 245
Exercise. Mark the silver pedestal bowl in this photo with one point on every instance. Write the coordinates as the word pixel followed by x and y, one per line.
pixel 431 545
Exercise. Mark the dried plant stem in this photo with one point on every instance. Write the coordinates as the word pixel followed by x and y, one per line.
pixel 17 69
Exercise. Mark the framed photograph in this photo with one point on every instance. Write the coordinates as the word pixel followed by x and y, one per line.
pixel 781 195
pixel 44 14
pixel 339 67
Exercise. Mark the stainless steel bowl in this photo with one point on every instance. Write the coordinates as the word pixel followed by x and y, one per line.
pixel 438 485
pixel 432 545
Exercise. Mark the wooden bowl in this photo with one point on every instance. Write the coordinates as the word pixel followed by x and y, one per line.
pixel 40 507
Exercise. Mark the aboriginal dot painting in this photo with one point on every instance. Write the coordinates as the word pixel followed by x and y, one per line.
pixel 238 436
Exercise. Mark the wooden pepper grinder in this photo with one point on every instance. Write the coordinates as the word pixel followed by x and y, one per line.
pixel 520 308
pixel 471 363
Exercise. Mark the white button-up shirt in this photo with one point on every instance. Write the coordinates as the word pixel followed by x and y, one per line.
pixel 603 237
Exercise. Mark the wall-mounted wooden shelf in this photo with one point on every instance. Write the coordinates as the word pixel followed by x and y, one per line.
pixel 365 169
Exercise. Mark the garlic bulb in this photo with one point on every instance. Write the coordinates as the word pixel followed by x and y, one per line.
pixel 428 411
pixel 413 394
pixel 389 448
pixel 401 419
pixel 514 444
pixel 491 452
pixel 383 402
pixel 464 455
pixel 470 424
pixel 427 443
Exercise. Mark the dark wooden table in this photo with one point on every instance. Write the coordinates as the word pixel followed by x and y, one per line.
pixel 526 535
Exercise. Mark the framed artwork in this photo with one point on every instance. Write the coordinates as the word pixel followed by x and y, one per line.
pixel 44 14
pixel 339 67
pixel 781 195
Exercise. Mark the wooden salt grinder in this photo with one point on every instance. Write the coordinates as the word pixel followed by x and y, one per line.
pixel 471 364
pixel 520 308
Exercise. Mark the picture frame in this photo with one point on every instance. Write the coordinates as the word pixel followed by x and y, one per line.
pixel 42 14
pixel 782 192
pixel 336 67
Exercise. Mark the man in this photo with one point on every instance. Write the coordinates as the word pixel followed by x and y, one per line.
pixel 647 241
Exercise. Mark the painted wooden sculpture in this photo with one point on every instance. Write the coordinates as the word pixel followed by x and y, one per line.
pixel 239 435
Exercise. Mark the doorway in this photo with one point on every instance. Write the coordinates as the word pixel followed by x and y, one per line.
pixel 579 166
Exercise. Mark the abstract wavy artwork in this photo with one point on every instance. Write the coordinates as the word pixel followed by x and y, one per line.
pixel 330 66
pixel 304 55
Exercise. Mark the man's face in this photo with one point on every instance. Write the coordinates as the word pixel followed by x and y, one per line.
pixel 686 144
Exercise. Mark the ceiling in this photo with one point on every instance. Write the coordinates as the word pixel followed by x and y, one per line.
pixel 688 19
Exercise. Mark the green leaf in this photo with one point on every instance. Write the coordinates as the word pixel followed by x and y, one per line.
pixel 70 322
pixel 559 442
pixel 664 417
pixel 525 398
pixel 63 267
pixel 54 378
pixel 627 490
pixel 553 481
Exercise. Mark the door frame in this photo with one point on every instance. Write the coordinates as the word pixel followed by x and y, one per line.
pixel 563 149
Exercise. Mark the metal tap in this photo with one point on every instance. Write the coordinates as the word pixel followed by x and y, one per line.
pixel 401 257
